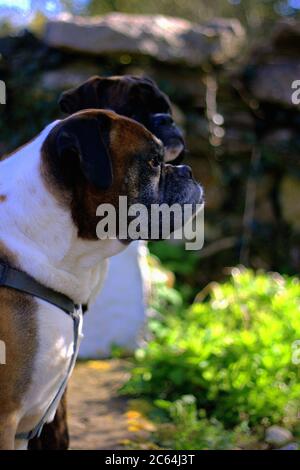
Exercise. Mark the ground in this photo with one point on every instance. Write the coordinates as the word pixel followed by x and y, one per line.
pixel 98 417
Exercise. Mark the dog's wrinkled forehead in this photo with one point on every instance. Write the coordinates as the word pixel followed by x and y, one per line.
pixel 140 92
pixel 129 139
pixel 127 95
pixel 99 145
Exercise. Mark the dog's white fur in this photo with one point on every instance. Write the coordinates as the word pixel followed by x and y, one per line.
pixel 42 236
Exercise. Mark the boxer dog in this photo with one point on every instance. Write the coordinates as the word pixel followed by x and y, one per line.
pixel 49 193
pixel 138 98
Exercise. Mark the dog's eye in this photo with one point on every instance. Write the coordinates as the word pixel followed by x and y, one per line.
pixel 154 163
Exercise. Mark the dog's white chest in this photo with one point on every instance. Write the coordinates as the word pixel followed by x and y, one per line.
pixel 52 362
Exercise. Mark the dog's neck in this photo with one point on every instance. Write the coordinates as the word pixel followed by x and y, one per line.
pixel 40 232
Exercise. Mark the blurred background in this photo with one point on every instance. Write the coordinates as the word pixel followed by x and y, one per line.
pixel 228 66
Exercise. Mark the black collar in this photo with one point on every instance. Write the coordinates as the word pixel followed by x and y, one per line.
pixel 15 279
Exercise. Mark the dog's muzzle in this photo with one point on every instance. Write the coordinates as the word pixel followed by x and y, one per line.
pixel 164 127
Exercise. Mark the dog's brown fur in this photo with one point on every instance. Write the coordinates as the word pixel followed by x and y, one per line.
pixel 125 139
pixel 18 331
pixel 55 435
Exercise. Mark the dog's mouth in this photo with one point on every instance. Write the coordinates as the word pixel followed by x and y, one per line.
pixel 195 199
pixel 198 194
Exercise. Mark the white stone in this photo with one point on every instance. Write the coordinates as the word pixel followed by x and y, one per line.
pixel 168 39
pixel 278 436
pixel 117 317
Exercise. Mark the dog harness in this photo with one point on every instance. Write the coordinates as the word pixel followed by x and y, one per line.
pixel 19 280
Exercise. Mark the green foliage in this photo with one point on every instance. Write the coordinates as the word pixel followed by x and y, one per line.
pixel 255 15
pixel 183 263
pixel 175 257
pixel 252 13
pixel 190 429
pixel 5 27
pixel 233 353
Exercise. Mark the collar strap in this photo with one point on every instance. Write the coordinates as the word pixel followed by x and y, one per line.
pixel 19 280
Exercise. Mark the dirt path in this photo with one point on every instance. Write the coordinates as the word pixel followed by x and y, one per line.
pixel 98 418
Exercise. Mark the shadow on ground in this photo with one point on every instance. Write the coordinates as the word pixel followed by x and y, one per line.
pixel 98 418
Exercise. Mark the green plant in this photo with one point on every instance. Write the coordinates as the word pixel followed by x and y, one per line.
pixel 233 352
pixel 181 262
pixel 190 429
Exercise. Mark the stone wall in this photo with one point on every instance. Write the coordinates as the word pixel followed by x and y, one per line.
pixel 235 106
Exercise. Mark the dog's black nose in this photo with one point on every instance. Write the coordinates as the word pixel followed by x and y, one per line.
pixel 185 171
pixel 162 119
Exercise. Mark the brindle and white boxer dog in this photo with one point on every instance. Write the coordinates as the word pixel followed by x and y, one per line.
pixel 138 98
pixel 49 192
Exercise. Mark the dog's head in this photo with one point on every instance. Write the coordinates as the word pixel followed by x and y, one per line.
pixel 95 156
pixel 135 97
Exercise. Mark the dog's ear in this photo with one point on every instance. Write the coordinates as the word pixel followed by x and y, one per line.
pixel 89 140
pixel 146 93
pixel 87 95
